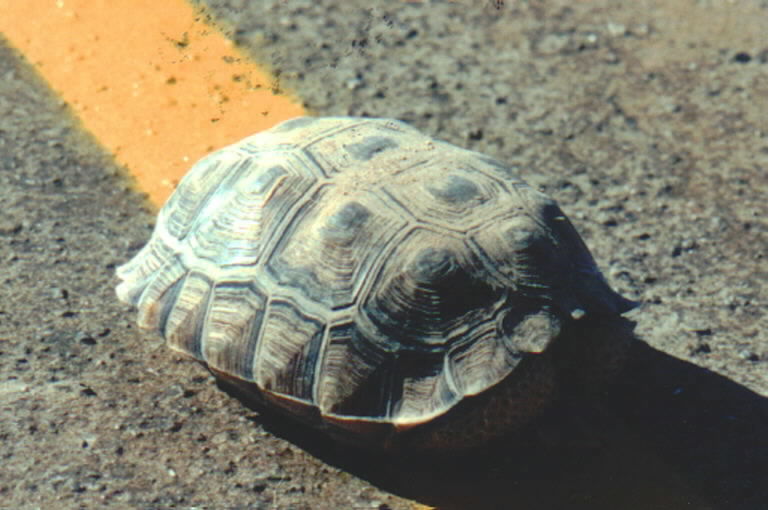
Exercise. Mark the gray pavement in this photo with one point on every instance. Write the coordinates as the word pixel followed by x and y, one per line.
pixel 649 124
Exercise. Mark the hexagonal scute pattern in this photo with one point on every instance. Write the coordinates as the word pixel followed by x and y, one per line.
pixel 360 271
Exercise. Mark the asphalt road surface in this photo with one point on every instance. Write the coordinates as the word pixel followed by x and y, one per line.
pixel 648 123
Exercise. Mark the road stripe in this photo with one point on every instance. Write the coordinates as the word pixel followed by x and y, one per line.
pixel 152 81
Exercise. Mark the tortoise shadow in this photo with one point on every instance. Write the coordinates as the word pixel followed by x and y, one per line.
pixel 666 434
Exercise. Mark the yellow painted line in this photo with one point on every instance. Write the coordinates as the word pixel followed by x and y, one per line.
pixel 151 80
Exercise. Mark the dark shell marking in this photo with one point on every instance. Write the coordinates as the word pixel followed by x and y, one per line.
pixel 360 272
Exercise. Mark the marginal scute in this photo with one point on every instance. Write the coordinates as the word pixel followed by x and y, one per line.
pixel 159 294
pixel 480 359
pixel 233 327
pixel 528 327
pixel 353 375
pixel 185 323
pixel 426 389
pixel 141 270
pixel 288 349
pixel 366 278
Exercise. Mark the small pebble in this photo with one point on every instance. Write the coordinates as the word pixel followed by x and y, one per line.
pixel 748 355
pixel 85 339
pixel 742 57
pixel 10 227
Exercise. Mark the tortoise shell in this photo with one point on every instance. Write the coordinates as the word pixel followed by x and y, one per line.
pixel 358 274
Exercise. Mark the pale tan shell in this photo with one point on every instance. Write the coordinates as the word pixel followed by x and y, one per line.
pixel 356 272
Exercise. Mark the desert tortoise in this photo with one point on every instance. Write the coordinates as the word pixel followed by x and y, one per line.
pixel 369 280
